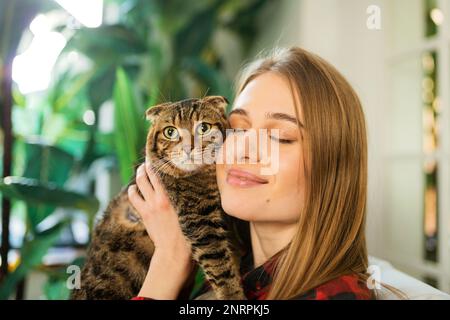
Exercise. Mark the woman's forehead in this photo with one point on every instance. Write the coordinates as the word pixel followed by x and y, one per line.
pixel 268 92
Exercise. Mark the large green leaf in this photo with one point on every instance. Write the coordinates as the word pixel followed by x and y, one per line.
pixel 107 44
pixel 130 125
pixel 35 192
pixel 193 38
pixel 47 163
pixel 56 286
pixel 244 21
pixel 100 86
pixel 74 141
pixel 31 255
pixel 56 289
pixel 68 88
pixel 215 81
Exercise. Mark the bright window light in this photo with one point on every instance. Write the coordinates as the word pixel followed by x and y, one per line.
pixel 437 16
pixel 32 69
pixel 87 12
pixel 89 117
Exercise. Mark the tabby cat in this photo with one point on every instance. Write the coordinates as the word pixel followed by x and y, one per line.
pixel 120 252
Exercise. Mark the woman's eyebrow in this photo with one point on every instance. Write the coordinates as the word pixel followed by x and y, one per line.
pixel 270 115
pixel 283 116
pixel 241 112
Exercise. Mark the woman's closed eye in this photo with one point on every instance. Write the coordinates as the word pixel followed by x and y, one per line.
pixel 281 140
pixel 282 135
pixel 240 130
pixel 237 131
pixel 274 137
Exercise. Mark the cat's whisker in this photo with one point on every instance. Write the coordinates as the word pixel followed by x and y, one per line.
pixel 162 94
pixel 163 166
pixel 206 93
pixel 159 163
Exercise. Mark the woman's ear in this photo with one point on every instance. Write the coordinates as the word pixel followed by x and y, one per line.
pixel 218 101
pixel 153 111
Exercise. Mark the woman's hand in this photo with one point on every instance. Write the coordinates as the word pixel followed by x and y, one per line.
pixel 171 263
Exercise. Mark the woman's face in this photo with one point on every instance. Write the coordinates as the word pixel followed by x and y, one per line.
pixel 247 191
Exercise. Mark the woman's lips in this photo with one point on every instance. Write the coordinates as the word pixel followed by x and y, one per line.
pixel 240 178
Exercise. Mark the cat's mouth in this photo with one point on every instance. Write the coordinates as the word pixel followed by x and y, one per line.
pixel 177 166
pixel 196 159
pixel 187 164
pixel 181 163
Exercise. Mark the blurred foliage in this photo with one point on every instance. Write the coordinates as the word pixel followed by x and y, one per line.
pixel 15 17
pixel 31 255
pixel 148 52
pixel 56 287
pixel 129 125
pixel 160 50
pixel 431 28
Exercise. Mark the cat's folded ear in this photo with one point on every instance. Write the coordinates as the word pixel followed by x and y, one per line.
pixel 153 111
pixel 218 101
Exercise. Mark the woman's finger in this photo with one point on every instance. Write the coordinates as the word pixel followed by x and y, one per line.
pixel 143 183
pixel 154 179
pixel 135 199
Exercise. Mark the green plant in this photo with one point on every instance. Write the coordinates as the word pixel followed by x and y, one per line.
pixel 161 50
pixel 130 129
pixel 156 50
pixel 42 188
pixel 39 156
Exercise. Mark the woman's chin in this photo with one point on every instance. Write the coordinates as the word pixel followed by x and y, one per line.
pixel 241 202
pixel 240 208
pixel 239 214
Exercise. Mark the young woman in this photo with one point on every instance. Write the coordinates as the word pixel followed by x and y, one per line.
pixel 305 221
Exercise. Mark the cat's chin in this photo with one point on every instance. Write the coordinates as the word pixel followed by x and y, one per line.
pixel 177 169
pixel 184 170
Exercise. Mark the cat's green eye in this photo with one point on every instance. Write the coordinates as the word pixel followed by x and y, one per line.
pixel 203 128
pixel 171 133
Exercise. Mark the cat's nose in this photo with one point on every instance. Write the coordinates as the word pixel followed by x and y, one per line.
pixel 187 148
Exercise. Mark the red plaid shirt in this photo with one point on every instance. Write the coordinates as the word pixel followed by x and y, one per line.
pixel 256 284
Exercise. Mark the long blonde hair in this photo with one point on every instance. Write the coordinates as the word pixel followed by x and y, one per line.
pixel 330 241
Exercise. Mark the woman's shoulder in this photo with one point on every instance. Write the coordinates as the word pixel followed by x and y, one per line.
pixel 345 287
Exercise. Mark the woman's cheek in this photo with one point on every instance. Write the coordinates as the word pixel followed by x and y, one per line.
pixel 289 189
pixel 220 176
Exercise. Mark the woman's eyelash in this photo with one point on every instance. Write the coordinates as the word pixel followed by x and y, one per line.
pixel 239 130
pixel 287 141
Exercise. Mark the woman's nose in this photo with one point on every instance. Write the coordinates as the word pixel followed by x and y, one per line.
pixel 247 146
